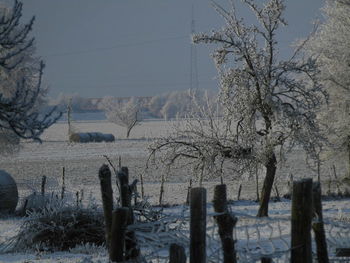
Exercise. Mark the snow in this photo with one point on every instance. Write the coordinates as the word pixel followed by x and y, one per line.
pixel 82 161
pixel 279 214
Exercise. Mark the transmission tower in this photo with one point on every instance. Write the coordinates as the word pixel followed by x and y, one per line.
pixel 193 65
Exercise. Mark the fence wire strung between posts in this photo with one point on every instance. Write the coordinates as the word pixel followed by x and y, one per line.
pixel 256 238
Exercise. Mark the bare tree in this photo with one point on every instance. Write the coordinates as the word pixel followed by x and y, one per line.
pixel 268 104
pixel 20 78
pixel 123 113
pixel 330 45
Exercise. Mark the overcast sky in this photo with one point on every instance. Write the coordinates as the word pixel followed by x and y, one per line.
pixel 96 48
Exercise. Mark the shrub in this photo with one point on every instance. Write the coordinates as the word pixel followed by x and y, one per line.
pixel 61 228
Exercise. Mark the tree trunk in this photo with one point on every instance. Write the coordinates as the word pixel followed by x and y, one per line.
pixel 349 156
pixel 267 187
pixel 128 132
pixel 129 128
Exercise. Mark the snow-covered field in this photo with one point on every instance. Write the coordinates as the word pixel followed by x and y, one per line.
pixel 266 236
pixel 82 161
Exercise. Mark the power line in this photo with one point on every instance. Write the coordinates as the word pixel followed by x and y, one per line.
pixel 119 85
pixel 193 55
pixel 78 52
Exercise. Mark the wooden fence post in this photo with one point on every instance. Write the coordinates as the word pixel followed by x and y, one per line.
pixel 198 224
pixel 161 191
pixel 43 183
pixel 318 227
pixel 226 223
pixel 301 251
pixel 123 177
pixel 239 192
pixel 77 201
pixel 188 192
pixel 119 224
pixel 63 183
pixel 177 254
pixel 104 175
pixel 132 250
pixel 142 189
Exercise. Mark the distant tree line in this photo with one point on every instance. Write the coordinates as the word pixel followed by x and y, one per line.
pixel 174 104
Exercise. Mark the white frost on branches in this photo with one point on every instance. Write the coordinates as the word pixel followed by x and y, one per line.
pixel 20 80
pixel 123 113
pixel 268 104
pixel 331 46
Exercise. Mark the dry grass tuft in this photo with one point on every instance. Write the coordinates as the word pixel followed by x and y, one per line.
pixel 61 229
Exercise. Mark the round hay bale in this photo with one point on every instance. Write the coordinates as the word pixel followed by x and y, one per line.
pixel 85 137
pixel 91 136
pixel 108 137
pixel 74 137
pixel 99 137
pixel 96 136
pixel 80 137
pixel 8 193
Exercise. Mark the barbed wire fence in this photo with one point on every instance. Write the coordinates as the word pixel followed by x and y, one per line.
pixel 256 238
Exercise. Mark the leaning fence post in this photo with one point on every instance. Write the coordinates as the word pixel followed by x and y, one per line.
pixel 198 224
pixel 239 192
pixel 301 251
pixel 177 254
pixel 43 183
pixel 63 183
pixel 123 177
pixel 188 192
pixel 131 247
pixel 117 246
pixel 318 227
pixel 226 223
pixel 104 175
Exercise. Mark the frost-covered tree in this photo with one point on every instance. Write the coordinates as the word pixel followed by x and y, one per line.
pixel 177 103
pixel 123 113
pixel 268 103
pixel 156 104
pixel 331 46
pixel 20 79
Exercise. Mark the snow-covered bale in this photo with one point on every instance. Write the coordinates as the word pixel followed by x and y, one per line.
pixel 80 137
pixel 8 193
pixel 96 136
pixel 108 137
pixel 91 137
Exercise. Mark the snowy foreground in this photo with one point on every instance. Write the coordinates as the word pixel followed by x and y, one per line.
pixel 256 237
pixel 266 236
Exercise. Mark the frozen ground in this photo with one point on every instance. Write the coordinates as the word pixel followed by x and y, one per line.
pixel 82 161
pixel 265 235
